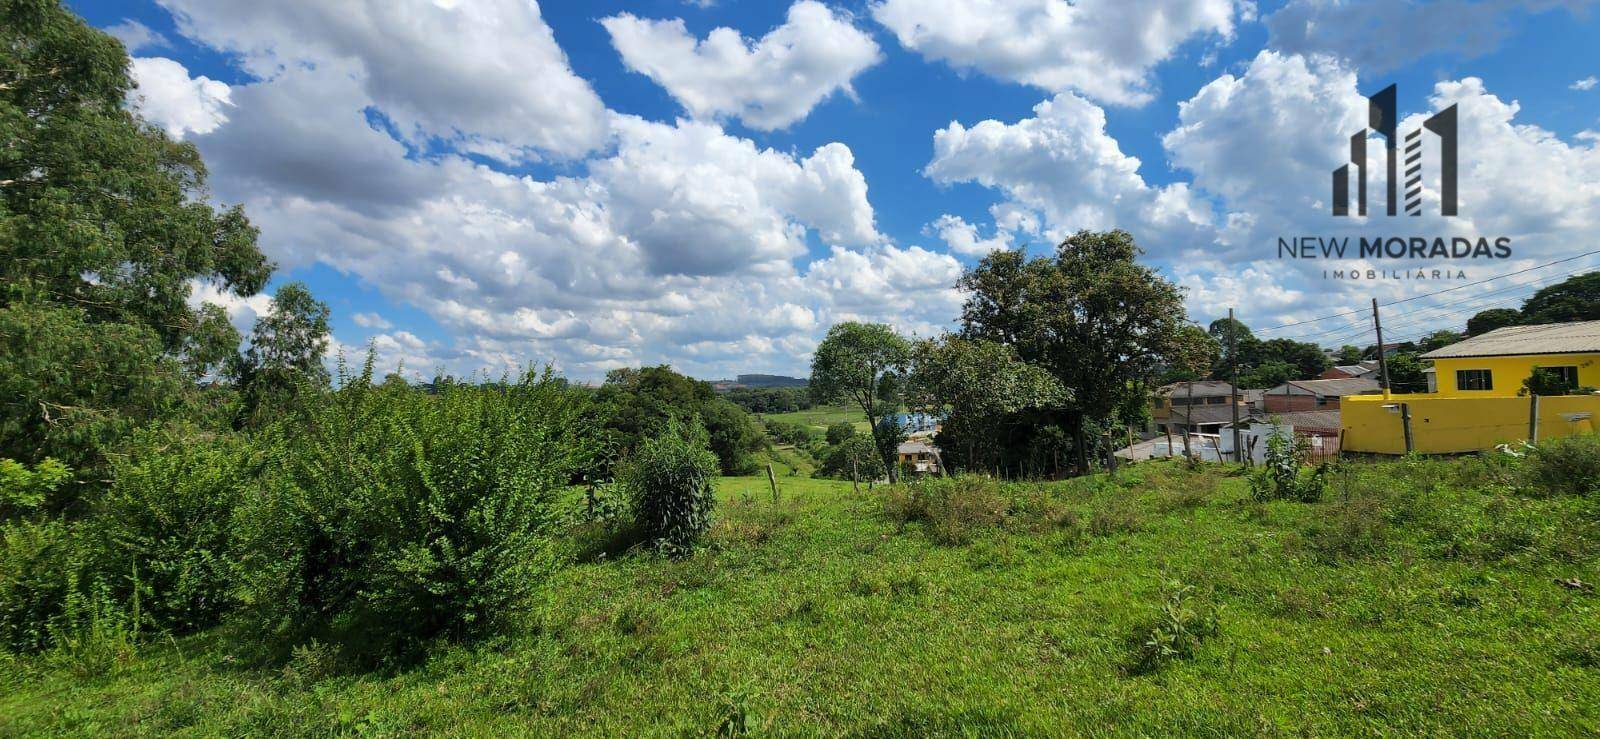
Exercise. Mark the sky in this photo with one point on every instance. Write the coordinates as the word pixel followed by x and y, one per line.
pixel 485 185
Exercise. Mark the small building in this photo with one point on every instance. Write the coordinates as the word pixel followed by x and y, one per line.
pixel 1200 406
pixel 918 454
pixel 1495 364
pixel 1368 368
pixel 1317 395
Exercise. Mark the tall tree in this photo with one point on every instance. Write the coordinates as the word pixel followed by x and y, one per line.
pixel 1485 321
pixel 1575 299
pixel 285 355
pixel 1099 321
pixel 863 363
pixel 104 226
pixel 980 388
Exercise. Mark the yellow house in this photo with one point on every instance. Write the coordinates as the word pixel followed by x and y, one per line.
pixel 1476 400
pixel 1495 364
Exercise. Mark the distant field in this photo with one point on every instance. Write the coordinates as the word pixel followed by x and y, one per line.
pixel 822 416
pixel 1420 598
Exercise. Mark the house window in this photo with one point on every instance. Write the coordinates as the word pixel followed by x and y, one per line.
pixel 1568 375
pixel 1474 379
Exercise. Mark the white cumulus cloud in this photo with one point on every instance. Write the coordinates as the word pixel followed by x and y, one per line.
pixel 767 83
pixel 167 96
pixel 1102 48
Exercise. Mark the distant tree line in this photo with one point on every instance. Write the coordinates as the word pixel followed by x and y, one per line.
pixel 770 399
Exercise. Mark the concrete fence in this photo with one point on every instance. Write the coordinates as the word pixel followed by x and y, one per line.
pixel 1375 424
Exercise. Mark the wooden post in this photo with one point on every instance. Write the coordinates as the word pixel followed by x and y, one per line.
pixel 1533 418
pixel 1340 450
pixel 1405 424
pixel 1383 362
pixel 1169 437
pixel 855 479
pixel 773 481
pixel 1233 385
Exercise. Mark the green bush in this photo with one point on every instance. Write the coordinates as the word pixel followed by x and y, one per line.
pixel 670 482
pixel 163 531
pixel 952 508
pixel 1180 626
pixel 1567 465
pixel 396 517
pixel 1280 476
pixel 23 491
pixel 42 563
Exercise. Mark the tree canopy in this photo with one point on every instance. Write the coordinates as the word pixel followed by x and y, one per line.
pixel 863 363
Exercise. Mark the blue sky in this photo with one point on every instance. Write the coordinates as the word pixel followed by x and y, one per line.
pixel 484 184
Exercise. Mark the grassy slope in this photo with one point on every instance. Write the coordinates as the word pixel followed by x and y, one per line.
pixel 816 615
pixel 820 417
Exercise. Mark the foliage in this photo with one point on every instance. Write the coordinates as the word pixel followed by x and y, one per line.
pixel 394 517
pixel 864 363
pixel 981 388
pixel 1406 373
pixel 1544 382
pixel 636 404
pixel 1268 374
pixel 1280 476
pixel 1181 625
pixel 1349 355
pixel 1575 299
pixel 838 432
pixel 853 457
pixel 104 227
pixel 1485 321
pixel 163 532
pixel 770 399
pixel 952 508
pixel 1566 465
pixel 23 491
pixel 1438 340
pixel 669 480
pixel 790 433
pixel 1098 321
pixel 285 354
pixel 42 563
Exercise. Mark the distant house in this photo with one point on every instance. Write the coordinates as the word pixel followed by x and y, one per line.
pixel 1200 406
pixel 1316 395
pixel 919 454
pixel 1368 368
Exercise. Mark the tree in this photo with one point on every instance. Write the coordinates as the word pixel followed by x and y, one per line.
pixel 1485 321
pixel 838 432
pixel 980 387
pixel 1575 299
pixel 862 363
pixel 1438 340
pixel 638 404
pixel 1268 374
pixel 1092 316
pixel 104 226
pixel 1349 355
pixel 285 353
pixel 1406 373
pixel 1197 353
pixel 1307 359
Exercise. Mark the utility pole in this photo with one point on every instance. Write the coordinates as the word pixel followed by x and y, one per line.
pixel 1383 361
pixel 1188 419
pixel 1233 383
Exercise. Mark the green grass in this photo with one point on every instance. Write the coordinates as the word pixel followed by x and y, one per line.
pixel 1419 599
pixel 818 418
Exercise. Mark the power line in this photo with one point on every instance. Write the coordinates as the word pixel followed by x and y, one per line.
pixel 1436 292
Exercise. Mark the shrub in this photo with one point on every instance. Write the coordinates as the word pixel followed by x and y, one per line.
pixel 396 517
pixel 1181 625
pixel 1280 476
pixel 1351 528
pixel 951 507
pixel 41 566
pixel 23 491
pixel 670 482
pixel 855 455
pixel 838 432
pixel 1565 465
pixel 164 534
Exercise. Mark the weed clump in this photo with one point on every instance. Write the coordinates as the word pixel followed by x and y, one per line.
pixel 1183 622
pixel 1569 465
pixel 670 482
pixel 952 508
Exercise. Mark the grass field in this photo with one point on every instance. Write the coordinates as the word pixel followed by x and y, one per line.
pixel 818 418
pixel 1418 598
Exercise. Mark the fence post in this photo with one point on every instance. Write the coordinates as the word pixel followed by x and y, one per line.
pixel 855 479
pixel 1533 418
pixel 1405 423
pixel 773 481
